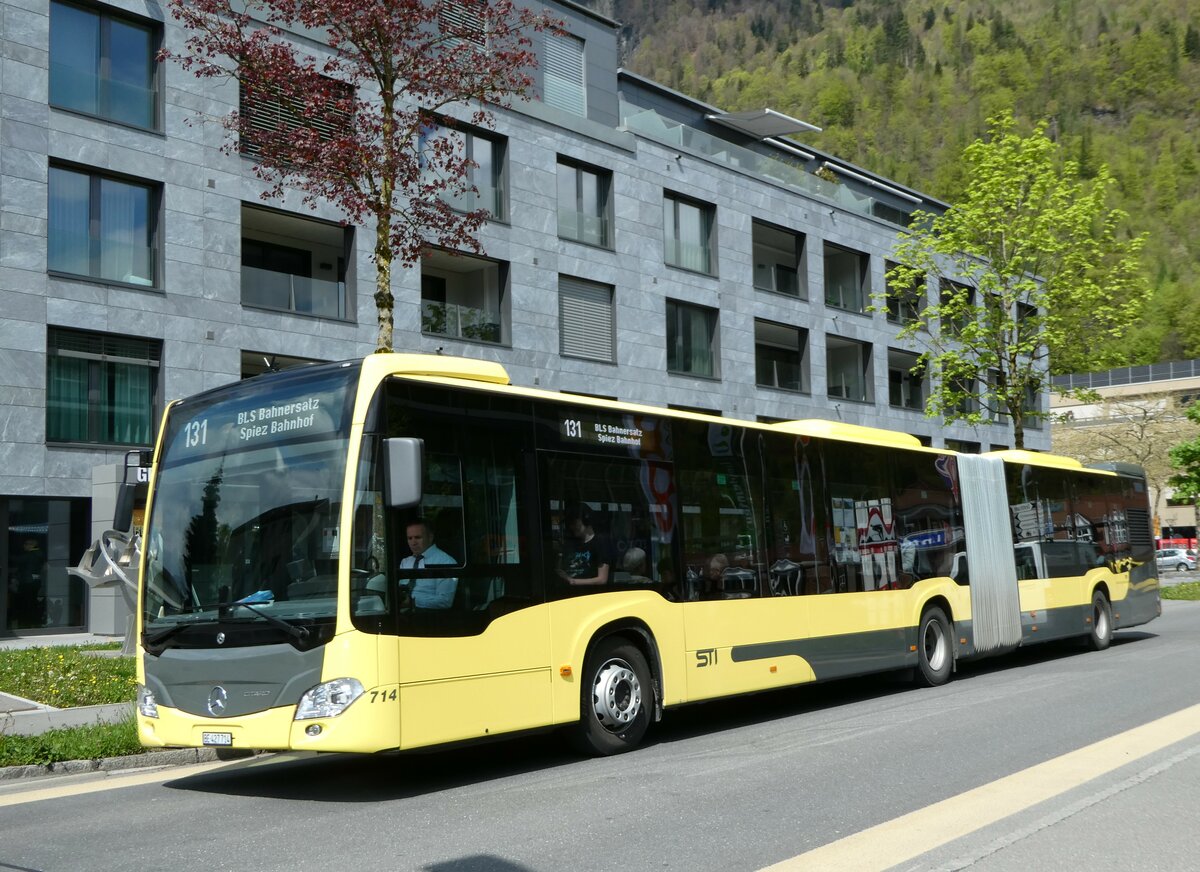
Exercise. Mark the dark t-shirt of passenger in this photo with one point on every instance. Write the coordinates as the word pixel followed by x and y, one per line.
pixel 583 559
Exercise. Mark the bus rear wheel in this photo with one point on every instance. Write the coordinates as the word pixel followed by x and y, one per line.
pixel 935 652
pixel 616 699
pixel 1100 636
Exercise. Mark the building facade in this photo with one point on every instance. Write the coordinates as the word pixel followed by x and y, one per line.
pixel 1139 414
pixel 643 246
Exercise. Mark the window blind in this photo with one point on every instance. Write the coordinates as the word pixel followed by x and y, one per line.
pixel 563 66
pixel 586 319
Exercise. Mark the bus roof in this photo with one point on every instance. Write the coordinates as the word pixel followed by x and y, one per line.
pixel 449 370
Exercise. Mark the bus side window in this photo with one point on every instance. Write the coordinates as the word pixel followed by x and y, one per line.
pixel 595 512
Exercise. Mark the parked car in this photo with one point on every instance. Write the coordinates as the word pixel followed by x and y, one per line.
pixel 1174 559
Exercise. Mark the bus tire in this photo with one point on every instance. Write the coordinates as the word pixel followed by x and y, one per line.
pixel 935 649
pixel 616 699
pixel 1100 635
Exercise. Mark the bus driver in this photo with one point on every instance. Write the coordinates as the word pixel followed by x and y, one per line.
pixel 428 593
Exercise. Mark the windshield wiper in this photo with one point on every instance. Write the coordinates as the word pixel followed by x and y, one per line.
pixel 223 609
pixel 291 629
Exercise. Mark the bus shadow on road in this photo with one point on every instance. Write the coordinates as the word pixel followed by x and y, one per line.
pixel 356 778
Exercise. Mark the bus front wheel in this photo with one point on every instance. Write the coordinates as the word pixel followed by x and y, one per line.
pixel 935 653
pixel 616 699
pixel 1102 626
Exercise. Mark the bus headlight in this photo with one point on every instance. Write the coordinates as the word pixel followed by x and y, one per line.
pixel 328 700
pixel 146 703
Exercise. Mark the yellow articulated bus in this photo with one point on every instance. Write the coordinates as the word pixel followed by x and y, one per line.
pixel 407 551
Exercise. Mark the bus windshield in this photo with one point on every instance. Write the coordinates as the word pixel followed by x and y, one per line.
pixel 246 502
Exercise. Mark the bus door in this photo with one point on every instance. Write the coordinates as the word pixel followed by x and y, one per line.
pixel 471 655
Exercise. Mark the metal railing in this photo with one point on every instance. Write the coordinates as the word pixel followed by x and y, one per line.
pixel 1130 375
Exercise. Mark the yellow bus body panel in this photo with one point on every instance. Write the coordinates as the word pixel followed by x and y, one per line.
pixel 465 687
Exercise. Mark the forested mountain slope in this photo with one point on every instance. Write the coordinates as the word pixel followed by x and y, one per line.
pixel 901 87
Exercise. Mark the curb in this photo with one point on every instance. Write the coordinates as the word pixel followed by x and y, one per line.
pixel 151 759
pixel 45 718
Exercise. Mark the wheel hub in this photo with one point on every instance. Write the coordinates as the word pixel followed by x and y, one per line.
pixel 616 695
pixel 935 645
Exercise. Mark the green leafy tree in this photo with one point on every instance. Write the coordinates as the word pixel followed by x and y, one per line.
pixel 1186 458
pixel 1034 270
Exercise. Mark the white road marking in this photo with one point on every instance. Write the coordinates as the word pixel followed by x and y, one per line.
pixel 911 835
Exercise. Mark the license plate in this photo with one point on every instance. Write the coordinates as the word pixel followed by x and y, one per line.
pixel 216 738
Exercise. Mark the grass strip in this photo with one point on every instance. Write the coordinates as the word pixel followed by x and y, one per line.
pixel 1188 590
pixel 65 676
pixel 91 742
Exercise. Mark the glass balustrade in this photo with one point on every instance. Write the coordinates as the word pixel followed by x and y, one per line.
pixel 268 289
pixel 459 322
pixel 648 123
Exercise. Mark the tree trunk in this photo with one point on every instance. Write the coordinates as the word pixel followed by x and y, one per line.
pixel 384 302
pixel 1018 422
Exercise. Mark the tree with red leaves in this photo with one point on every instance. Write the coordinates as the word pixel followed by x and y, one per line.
pixel 355 122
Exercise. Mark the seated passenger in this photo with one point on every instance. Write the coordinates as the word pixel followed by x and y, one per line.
pixel 428 593
pixel 713 586
pixel 634 563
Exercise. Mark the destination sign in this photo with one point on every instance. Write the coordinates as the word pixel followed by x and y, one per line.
pixel 592 428
pixel 260 412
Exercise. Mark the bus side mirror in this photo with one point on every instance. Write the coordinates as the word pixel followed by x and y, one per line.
pixel 404 471
pixel 136 461
pixel 123 514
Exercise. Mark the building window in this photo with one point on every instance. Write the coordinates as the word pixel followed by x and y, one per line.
pixel 1033 408
pixel 960 299
pixel 688 231
pixel 464 297
pixel 563 73
pixel 780 356
pixel 103 65
pixel 101 388
pixel 846 278
pixel 966 385
pixel 692 347
pixel 259 362
pixel 906 381
pixel 848 369
pixel 274 117
pixel 586 326
pixel 904 305
pixel 964 446
pixel 778 256
pixel 102 227
pixel 295 264
pixel 584 203
pixel 485 169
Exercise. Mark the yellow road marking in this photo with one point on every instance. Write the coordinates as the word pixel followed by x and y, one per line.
pixel 112 781
pixel 911 835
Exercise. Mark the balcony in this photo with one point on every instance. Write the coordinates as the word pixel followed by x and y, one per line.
pixel 648 123
pixel 459 322
pixel 268 289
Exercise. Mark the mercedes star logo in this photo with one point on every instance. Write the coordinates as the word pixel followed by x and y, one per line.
pixel 217 698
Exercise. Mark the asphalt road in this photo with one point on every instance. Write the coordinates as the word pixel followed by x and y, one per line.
pixel 736 785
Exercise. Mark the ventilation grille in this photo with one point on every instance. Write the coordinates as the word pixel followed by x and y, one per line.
pixel 1140 533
